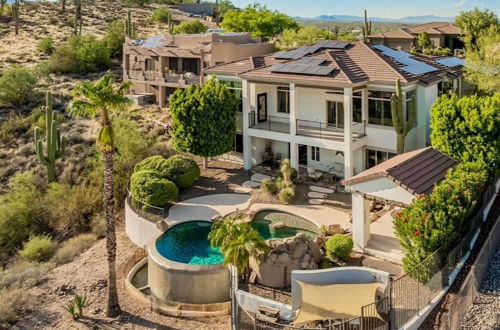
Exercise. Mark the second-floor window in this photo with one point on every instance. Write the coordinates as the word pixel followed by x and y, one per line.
pixel 335 113
pixel 409 95
pixel 283 99
pixel 150 64
pixel 379 108
pixel 315 153
pixel 190 65
pixel 173 63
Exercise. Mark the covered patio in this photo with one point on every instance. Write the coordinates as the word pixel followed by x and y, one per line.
pixel 394 183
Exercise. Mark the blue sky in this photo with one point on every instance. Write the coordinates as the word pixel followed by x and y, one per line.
pixel 379 8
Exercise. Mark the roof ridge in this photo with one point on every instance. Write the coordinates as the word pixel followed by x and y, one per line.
pixel 383 60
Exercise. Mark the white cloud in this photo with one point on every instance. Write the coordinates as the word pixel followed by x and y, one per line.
pixel 460 3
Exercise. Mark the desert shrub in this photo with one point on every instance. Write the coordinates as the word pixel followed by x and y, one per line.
pixel 137 2
pixel 190 27
pixel 440 220
pixel 269 186
pixel 294 174
pixel 18 126
pixel 73 247
pixel 20 208
pixel 38 248
pixel 161 15
pixel 287 195
pixel 442 51
pixel 80 54
pixel 46 45
pixel 17 85
pixel 98 225
pixel 24 274
pixel 69 209
pixel 115 38
pixel 13 304
pixel 150 188
pixel 339 247
pixel 182 170
pixel 153 163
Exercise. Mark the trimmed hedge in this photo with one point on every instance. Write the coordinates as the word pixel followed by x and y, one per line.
pixel 182 170
pixel 153 163
pixel 150 188
pixel 339 247
pixel 441 219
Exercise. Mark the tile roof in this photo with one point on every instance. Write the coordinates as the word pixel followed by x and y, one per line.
pixel 397 34
pixel 357 63
pixel 412 32
pixel 416 171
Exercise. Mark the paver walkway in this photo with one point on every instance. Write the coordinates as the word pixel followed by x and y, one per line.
pixel 318 214
pixel 207 207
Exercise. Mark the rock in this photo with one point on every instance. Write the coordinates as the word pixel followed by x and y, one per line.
pixel 301 237
pixel 162 225
pixel 277 225
pixel 281 246
pixel 315 251
pixel 97 311
pixel 300 249
pixel 335 229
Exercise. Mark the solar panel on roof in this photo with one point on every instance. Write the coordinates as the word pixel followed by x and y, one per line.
pixel 333 44
pixel 301 69
pixel 311 61
pixel 289 55
pixel 154 42
pixel 451 61
pixel 412 66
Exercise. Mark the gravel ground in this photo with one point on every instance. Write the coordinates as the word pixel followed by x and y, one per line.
pixel 485 313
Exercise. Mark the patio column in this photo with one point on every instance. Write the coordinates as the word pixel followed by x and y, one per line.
pixel 247 139
pixel 162 90
pixel 348 157
pixel 360 221
pixel 364 104
pixel 293 109
pixel 294 155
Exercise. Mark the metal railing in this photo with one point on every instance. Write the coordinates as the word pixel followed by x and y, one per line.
pixel 359 129
pixel 271 123
pixel 328 131
pixel 146 211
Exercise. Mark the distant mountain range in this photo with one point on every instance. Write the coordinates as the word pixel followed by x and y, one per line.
pixel 407 19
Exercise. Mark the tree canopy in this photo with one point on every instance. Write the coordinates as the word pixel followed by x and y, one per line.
pixel 190 27
pixel 424 41
pixel 304 36
pixel 483 61
pixel 203 119
pixel 259 20
pixel 474 22
pixel 468 128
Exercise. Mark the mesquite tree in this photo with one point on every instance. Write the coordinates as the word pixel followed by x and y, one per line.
pixel 204 119
pixel 402 126
pixel 55 142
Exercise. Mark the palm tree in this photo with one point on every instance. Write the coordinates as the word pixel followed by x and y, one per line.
pixel 97 100
pixel 238 243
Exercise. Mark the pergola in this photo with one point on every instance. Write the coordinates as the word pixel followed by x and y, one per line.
pixel 397 181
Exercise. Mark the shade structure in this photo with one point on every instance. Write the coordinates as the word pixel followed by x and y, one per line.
pixel 335 301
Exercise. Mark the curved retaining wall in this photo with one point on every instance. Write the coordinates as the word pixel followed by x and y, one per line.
pixel 139 230
pixel 171 281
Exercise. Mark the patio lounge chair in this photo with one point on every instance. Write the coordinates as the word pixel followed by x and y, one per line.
pixel 311 173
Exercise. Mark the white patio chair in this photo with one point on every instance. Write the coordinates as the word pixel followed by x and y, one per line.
pixel 311 173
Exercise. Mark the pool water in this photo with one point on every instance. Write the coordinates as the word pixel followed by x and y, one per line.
pixel 188 243
pixel 294 225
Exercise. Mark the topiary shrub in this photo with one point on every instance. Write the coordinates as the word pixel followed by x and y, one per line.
pixel 150 188
pixel 269 186
pixel 182 170
pixel 153 163
pixel 339 247
pixel 287 195
pixel 38 248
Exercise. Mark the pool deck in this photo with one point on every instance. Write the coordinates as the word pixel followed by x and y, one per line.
pixel 318 214
pixel 207 207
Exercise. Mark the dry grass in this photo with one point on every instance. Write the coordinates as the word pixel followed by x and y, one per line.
pixel 73 247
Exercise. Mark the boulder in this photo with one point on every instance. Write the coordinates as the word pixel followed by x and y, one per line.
pixel 277 225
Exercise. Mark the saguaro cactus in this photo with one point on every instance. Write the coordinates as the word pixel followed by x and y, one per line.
pixel 55 144
pixel 78 17
pixel 401 126
pixel 15 15
pixel 367 28
pixel 129 26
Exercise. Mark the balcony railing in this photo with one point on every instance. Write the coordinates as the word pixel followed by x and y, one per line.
pixel 168 77
pixel 271 123
pixel 327 131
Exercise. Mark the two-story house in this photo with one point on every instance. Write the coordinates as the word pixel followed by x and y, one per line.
pixel 161 64
pixel 328 105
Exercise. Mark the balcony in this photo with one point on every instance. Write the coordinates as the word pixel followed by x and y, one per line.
pixel 181 79
pixel 327 131
pixel 271 123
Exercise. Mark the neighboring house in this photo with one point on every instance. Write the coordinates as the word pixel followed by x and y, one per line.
pixel 442 34
pixel 161 64
pixel 328 105
pixel 202 9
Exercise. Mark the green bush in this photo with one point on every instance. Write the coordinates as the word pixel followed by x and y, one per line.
pixel 38 248
pixel 19 126
pixel 442 51
pixel 441 219
pixel 269 186
pixel 17 85
pixel 190 27
pixel 73 247
pixel 339 247
pixel 287 195
pixel 137 2
pixel 294 174
pixel 161 15
pixel 46 45
pixel 153 163
pixel 115 38
pixel 80 54
pixel 182 170
pixel 149 187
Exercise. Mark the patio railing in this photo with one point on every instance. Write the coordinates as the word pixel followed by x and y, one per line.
pixel 328 131
pixel 271 123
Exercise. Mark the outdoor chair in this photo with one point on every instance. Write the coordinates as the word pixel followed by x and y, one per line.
pixel 311 173
pixel 277 160
pixel 337 170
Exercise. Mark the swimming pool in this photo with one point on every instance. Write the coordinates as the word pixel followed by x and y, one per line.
pixel 188 243
pixel 294 224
